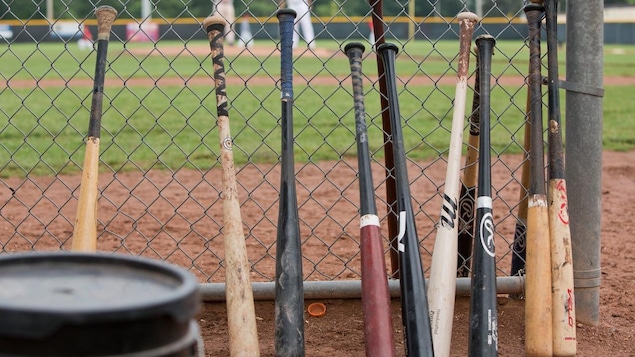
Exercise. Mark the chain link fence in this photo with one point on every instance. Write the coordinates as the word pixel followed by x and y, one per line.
pixel 160 185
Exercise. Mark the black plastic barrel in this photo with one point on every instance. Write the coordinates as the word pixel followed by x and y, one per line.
pixel 76 304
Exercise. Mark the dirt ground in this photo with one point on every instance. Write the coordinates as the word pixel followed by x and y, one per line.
pixel 340 331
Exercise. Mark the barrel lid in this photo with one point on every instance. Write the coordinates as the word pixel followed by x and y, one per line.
pixel 40 292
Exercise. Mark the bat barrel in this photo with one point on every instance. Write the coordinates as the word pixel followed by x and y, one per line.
pixel 415 318
pixel 88 304
pixel 483 331
pixel 289 300
pixel 378 332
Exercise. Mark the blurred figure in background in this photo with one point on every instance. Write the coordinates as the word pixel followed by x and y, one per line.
pixel 302 21
pixel 225 9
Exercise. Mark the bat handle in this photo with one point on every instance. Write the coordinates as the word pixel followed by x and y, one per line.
pixel 286 18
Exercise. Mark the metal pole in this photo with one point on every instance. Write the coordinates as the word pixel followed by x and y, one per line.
pixel 351 289
pixel 146 10
pixel 585 41
pixel 49 10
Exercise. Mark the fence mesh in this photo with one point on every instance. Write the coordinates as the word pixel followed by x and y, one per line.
pixel 159 181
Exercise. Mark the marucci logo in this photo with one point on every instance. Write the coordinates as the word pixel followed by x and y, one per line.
pixel 448 215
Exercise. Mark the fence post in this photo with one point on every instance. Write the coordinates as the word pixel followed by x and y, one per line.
pixel 585 42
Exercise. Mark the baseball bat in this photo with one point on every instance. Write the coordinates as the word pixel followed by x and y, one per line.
pixel 289 296
pixel 391 191
pixel 564 330
pixel 414 303
pixel 483 331
pixel 467 197
pixel 442 287
pixel 241 314
pixel 378 331
pixel 85 232
pixel 520 232
pixel 538 309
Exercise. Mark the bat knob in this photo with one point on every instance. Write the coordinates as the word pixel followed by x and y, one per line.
pixel 282 13
pixel 387 47
pixel 354 46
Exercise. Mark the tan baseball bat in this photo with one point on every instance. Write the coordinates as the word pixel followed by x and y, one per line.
pixel 442 288
pixel 241 315
pixel 85 232
pixel 538 309
pixel 564 329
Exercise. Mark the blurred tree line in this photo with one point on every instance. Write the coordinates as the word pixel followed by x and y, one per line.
pixel 80 9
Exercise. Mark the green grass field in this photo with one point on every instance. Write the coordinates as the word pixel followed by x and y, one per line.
pixel 42 127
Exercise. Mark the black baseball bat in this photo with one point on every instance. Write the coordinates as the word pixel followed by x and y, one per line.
pixel 289 298
pixel 378 332
pixel 414 303
pixel 483 331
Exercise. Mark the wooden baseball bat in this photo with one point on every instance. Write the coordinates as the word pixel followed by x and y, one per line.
pixel 414 304
pixel 520 233
pixel 241 314
pixel 538 308
pixel 85 232
pixel 289 300
pixel 442 287
pixel 483 330
pixel 378 332
pixel 391 191
pixel 564 329
pixel 467 197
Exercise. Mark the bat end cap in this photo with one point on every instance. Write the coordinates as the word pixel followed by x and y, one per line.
pixel 354 45
pixel 213 21
pixel 485 37
pixel 466 15
pixel 105 9
pixel 286 12
pixel 387 46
